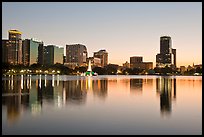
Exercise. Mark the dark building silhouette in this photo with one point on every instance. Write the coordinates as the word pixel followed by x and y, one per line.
pixel 64 59
pixel 41 50
pixel 49 55
pixel 164 87
pixel 167 55
pixel 137 62
pixel 5 45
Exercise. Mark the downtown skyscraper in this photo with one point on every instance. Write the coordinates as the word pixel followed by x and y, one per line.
pixel 30 51
pixel 12 48
pixel 167 55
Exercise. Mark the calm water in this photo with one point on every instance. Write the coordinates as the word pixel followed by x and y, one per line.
pixel 101 105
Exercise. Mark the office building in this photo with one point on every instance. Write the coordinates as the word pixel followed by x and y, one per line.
pixel 103 55
pixel 95 62
pixel 5 44
pixel 13 48
pixel 49 55
pixel 41 51
pixel 167 55
pixel 58 54
pixel 76 55
pixel 136 59
pixel 137 62
pixel 30 51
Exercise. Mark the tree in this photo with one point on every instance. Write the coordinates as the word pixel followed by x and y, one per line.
pixel 35 66
pixel 99 70
pixel 166 70
pixel 80 69
pixel 137 70
pixel 198 70
pixel 127 71
pixel 111 69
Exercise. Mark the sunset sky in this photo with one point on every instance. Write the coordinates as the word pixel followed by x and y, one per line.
pixel 123 29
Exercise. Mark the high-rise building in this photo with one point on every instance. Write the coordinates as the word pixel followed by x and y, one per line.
pixel 103 55
pixel 41 51
pixel 14 49
pixel 58 54
pixel 5 44
pixel 30 51
pixel 76 55
pixel 137 62
pixel 49 55
pixel 174 56
pixel 167 55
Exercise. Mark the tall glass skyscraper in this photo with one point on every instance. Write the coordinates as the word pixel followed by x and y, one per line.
pixel 54 54
pixel 30 51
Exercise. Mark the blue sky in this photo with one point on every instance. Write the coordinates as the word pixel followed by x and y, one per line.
pixel 123 29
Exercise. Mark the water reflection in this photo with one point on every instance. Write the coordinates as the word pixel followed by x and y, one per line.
pixel 15 96
pixel 20 93
pixel 75 91
pixel 50 102
pixel 100 88
pixel 136 85
pixel 164 87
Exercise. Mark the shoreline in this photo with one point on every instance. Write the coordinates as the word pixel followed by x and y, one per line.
pixel 101 75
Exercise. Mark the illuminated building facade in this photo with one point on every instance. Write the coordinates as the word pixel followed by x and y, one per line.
pixel 103 55
pixel 14 48
pixel 58 54
pixel 30 51
pixel 76 55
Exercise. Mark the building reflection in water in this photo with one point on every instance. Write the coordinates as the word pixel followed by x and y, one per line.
pixel 21 93
pixel 100 88
pixel 136 86
pixel 15 96
pixel 74 92
pixel 166 87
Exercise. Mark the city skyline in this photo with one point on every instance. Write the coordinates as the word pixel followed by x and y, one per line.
pixel 123 29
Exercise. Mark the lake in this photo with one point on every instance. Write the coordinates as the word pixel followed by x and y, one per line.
pixel 106 104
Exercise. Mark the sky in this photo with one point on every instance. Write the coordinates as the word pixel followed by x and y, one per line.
pixel 123 29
